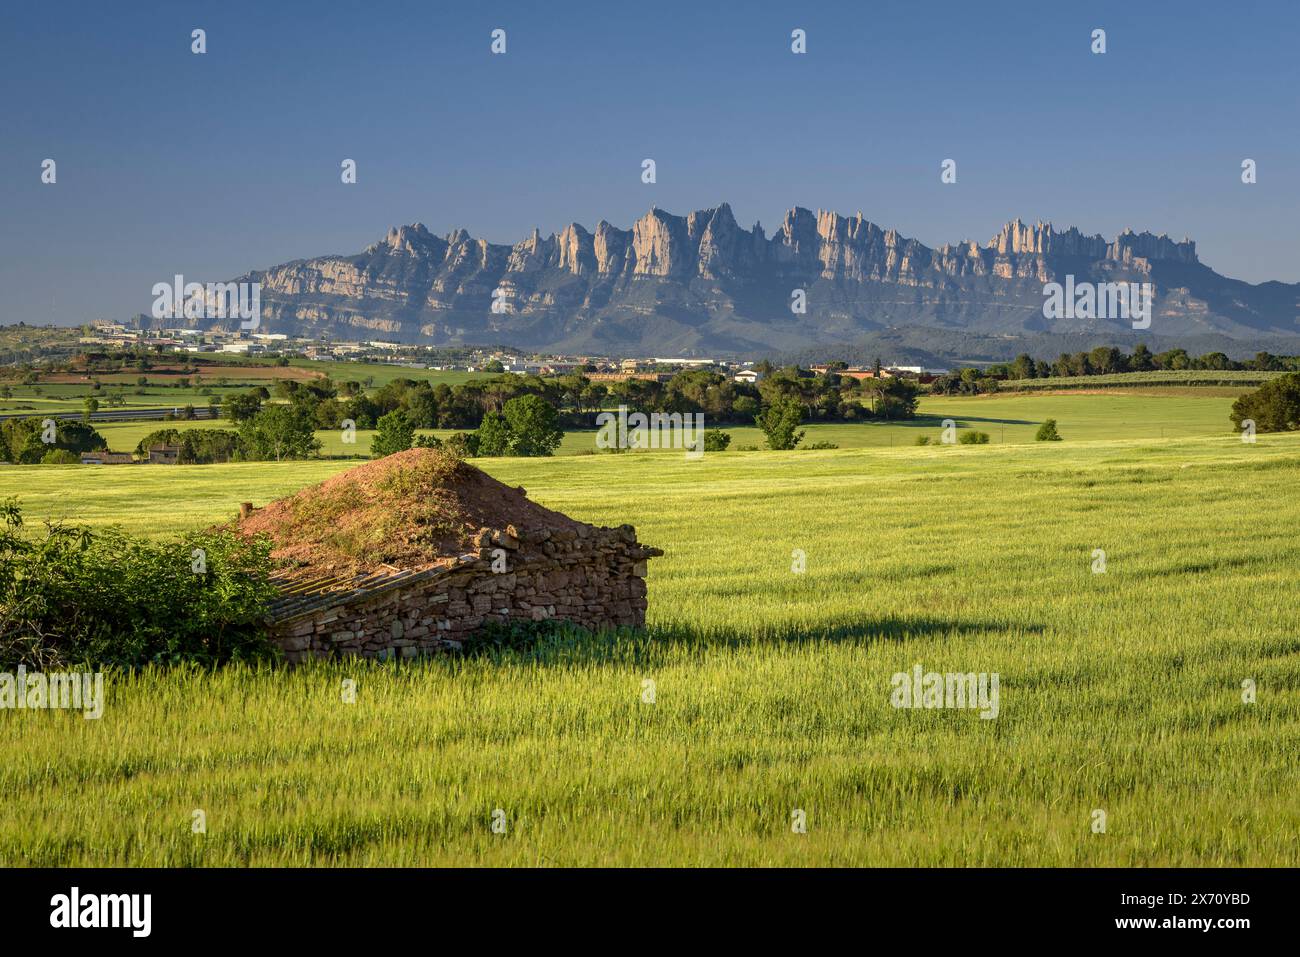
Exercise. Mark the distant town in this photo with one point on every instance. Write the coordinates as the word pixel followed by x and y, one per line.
pixel 115 335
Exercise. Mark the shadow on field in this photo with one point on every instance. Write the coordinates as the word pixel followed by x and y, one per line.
pixel 936 421
pixel 569 647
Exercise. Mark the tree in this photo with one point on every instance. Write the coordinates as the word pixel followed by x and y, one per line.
pixel 394 434
pixel 1047 432
pixel 534 427
pixel 197 446
pixel 1273 407
pixel 1023 367
pixel 1174 359
pixel 494 366
pixel 780 423
pixel 493 435
pixel 1141 360
pixel 91 405
pixel 899 398
pixel 241 406
pixel 280 432
pixel 1105 360
pixel 22 441
pixel 1213 360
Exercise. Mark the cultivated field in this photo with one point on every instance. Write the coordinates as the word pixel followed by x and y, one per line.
pixel 66 392
pixel 1010 419
pixel 1120 691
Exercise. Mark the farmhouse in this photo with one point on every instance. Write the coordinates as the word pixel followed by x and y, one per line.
pixel 107 458
pixel 164 454
pixel 411 554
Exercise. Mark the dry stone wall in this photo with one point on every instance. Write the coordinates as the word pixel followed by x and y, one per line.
pixel 594 577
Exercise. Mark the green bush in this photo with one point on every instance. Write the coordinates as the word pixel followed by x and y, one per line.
pixel 780 423
pixel 1047 432
pixel 60 457
pixel 822 445
pixel 971 437
pixel 922 440
pixel 715 440
pixel 463 445
pixel 394 434
pixel 77 596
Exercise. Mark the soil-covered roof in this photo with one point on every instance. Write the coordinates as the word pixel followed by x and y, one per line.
pixel 409 511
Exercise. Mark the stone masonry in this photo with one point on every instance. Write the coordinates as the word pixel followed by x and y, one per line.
pixel 591 576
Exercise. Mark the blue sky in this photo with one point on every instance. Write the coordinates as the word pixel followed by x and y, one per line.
pixel 211 165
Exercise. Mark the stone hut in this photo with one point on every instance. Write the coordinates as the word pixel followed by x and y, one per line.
pixel 410 554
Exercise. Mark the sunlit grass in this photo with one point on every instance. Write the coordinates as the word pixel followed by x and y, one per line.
pixel 1120 691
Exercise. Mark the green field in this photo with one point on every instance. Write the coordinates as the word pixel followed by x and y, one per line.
pixel 383 373
pixel 1120 691
pixel 1012 419
pixel 161 390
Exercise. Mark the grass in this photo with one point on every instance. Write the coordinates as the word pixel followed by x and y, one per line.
pixel 382 373
pixel 1010 419
pixel 1119 691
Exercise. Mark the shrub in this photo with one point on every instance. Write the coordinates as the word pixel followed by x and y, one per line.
pixel 1047 432
pixel 922 440
pixel 60 457
pixel 463 445
pixel 715 440
pixel 394 434
pixel 780 423
pixel 77 596
pixel 822 445
pixel 971 437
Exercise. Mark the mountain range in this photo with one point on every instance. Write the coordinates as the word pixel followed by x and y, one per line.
pixel 702 285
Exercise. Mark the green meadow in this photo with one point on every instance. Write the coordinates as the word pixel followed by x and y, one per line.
pixel 758 690
pixel 1009 419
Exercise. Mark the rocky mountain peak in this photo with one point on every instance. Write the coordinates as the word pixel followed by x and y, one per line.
pixel 700 282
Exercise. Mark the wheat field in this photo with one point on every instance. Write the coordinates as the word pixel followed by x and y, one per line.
pixel 760 696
